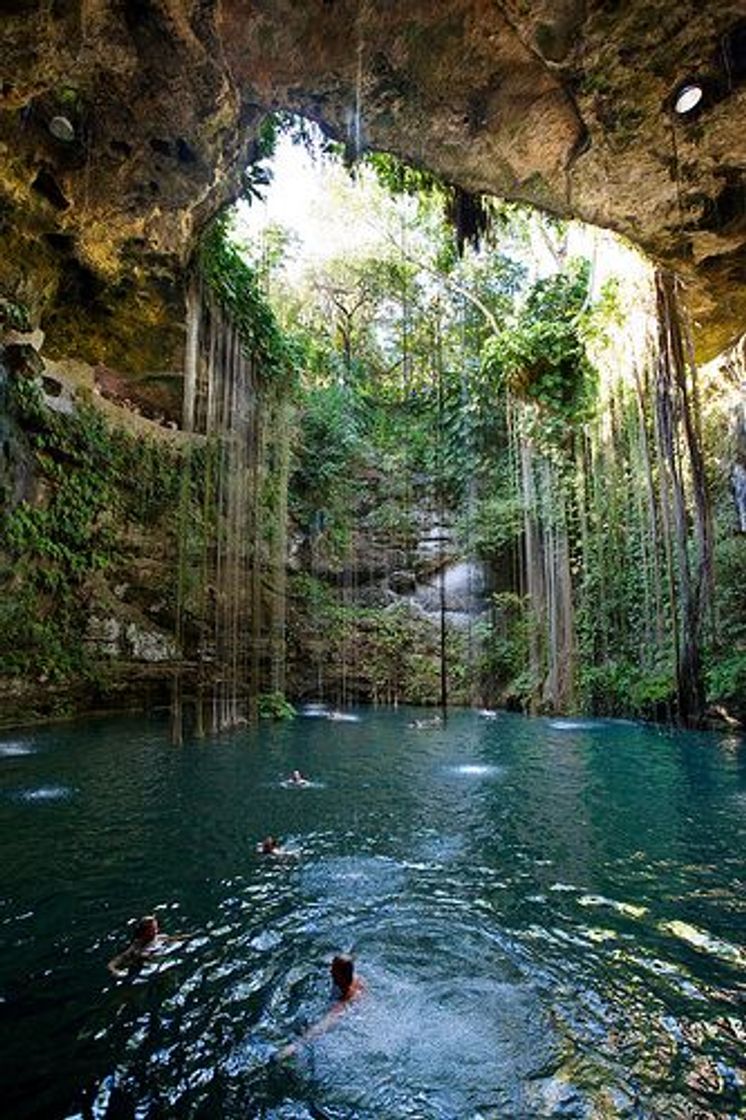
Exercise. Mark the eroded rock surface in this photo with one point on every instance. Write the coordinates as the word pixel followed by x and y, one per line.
pixel 559 103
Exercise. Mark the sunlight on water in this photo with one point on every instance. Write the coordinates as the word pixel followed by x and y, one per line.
pixel 564 943
pixel 576 724
pixel 705 942
pixel 45 793
pixel 314 711
pixel 475 770
pixel 627 908
pixel 15 750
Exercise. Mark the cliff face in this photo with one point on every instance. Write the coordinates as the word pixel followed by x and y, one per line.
pixel 124 126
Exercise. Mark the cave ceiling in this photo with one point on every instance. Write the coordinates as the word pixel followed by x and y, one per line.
pixel 125 124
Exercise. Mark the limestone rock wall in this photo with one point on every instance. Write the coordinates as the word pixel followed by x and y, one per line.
pixel 565 105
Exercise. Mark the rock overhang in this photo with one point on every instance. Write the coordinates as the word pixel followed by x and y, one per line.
pixel 565 105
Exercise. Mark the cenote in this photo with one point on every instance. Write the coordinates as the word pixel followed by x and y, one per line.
pixel 549 920
pixel 324 416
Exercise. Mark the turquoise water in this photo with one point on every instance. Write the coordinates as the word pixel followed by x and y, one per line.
pixel 549 917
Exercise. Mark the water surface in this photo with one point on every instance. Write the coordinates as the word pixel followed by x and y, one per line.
pixel 549 916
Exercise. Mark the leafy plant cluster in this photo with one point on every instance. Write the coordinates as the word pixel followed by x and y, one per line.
pixel 13 316
pixel 726 652
pixel 75 530
pixel 325 458
pixel 542 359
pixel 274 705
pixel 234 285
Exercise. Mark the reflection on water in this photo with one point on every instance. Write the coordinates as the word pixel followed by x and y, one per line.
pixel 566 941
pixel 576 724
pixel 43 793
pixel 15 750
pixel 475 770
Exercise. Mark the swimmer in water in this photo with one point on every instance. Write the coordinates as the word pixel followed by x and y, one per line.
pixel 147 941
pixel 346 988
pixel 297 779
pixel 347 985
pixel 426 724
pixel 271 846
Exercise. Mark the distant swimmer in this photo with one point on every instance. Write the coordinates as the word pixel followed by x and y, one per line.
pixel 147 940
pixel 426 724
pixel 297 779
pixel 346 988
pixel 271 846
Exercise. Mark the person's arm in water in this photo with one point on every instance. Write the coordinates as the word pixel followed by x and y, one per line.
pixel 147 940
pixel 349 988
pixel 120 965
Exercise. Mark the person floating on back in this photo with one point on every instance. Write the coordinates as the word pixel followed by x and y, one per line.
pixel 147 940
pixel 346 988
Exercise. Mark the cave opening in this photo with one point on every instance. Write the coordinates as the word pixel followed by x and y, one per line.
pixel 344 454
pixel 471 393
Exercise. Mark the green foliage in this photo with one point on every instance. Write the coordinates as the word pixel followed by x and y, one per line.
pixel 14 316
pixel 256 175
pixel 726 680
pixel 324 456
pixel 726 656
pixel 469 215
pixel 543 359
pixel 40 634
pixel 234 285
pixel 495 524
pixel 54 547
pixel 618 687
pixel 392 519
pixel 273 705
pixel 606 312
pixel 505 645
pixel 402 178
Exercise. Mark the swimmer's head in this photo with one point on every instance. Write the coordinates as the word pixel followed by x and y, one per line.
pixel 268 845
pixel 146 929
pixel 343 971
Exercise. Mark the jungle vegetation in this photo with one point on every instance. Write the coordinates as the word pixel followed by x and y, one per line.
pixel 528 382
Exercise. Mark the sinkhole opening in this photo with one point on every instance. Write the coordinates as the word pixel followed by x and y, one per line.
pixel 428 408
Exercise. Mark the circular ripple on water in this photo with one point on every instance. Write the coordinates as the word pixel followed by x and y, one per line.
pixel 449 1025
pixel 352 877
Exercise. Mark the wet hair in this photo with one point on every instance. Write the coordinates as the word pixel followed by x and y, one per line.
pixel 343 970
pixel 146 929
